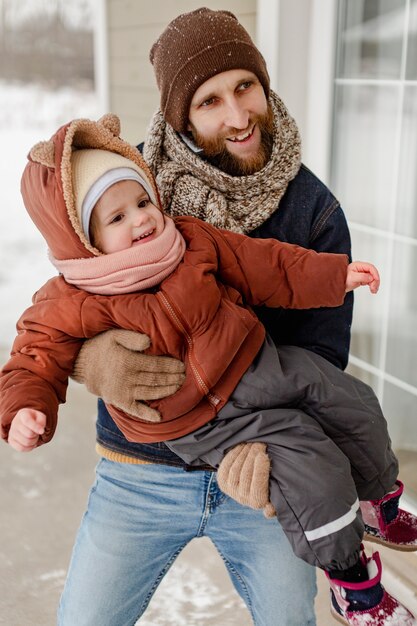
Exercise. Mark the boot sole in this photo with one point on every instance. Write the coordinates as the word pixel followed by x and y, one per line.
pixel 338 617
pixel 388 544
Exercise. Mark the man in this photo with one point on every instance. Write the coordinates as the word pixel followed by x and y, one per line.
pixel 223 148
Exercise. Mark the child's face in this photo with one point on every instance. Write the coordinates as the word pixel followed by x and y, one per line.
pixel 124 217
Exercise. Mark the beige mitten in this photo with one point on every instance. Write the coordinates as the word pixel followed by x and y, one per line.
pixel 113 366
pixel 244 476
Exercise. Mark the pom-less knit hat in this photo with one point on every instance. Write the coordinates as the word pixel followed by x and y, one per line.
pixel 194 47
pixel 93 172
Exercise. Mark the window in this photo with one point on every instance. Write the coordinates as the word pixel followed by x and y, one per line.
pixel 373 173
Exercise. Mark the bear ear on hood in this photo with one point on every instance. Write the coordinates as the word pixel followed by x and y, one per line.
pixel 43 153
pixel 111 122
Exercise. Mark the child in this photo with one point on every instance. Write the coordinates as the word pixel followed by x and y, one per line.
pixel 95 201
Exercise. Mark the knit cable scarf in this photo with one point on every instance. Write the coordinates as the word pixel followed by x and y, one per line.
pixel 126 271
pixel 189 185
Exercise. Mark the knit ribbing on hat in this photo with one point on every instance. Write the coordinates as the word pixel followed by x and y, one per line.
pixel 107 180
pixel 126 271
pixel 189 185
pixel 194 47
pixel 88 169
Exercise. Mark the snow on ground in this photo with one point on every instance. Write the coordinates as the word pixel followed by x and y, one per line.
pixel 28 114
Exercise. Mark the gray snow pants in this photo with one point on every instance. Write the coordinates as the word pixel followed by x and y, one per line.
pixel 327 440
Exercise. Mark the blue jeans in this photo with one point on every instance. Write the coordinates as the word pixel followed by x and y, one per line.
pixel 138 520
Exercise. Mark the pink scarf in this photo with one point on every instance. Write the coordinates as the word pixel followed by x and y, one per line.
pixel 134 269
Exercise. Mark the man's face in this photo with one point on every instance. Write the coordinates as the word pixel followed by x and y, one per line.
pixel 231 120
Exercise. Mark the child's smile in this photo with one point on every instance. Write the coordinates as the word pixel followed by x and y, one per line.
pixel 144 238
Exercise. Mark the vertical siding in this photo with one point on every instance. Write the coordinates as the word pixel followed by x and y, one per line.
pixel 132 29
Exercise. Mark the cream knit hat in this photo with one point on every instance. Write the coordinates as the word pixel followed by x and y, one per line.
pixel 93 172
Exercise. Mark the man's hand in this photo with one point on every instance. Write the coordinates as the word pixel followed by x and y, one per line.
pixel 26 428
pixel 244 476
pixel 360 274
pixel 113 366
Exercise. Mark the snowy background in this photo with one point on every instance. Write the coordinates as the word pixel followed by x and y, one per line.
pixel 28 114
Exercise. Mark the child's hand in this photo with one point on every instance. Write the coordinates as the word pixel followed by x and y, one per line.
pixel 360 274
pixel 26 428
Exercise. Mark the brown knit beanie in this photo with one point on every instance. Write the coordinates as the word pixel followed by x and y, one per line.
pixel 194 47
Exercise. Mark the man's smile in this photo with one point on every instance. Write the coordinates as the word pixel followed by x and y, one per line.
pixel 243 137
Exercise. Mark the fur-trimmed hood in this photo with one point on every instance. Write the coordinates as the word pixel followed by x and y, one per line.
pixel 47 188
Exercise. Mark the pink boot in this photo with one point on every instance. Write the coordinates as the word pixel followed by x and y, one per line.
pixel 367 603
pixel 387 524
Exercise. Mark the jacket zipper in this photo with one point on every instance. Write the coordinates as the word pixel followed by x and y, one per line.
pixel 213 399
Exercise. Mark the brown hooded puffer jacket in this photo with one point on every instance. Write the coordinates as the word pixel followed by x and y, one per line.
pixel 200 314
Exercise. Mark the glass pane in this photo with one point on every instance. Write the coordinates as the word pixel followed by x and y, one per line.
pixel 371 38
pixel 406 218
pixel 368 313
pixel 367 377
pixel 400 410
pixel 402 329
pixel 411 70
pixel 364 151
pixel 408 471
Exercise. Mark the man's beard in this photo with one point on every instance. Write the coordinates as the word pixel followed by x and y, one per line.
pixel 217 154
